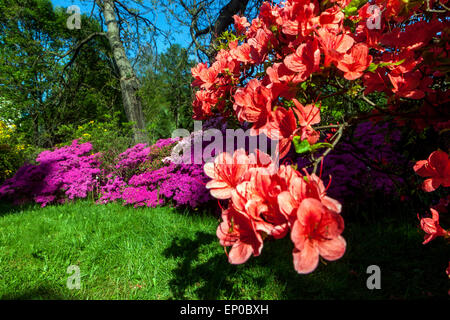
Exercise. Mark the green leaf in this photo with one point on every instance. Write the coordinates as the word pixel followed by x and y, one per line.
pixel 320 145
pixel 374 66
pixel 301 146
pixel 349 11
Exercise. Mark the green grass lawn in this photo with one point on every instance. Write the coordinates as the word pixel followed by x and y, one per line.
pixel 165 253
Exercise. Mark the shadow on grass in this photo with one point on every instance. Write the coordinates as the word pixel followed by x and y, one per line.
pixel 207 277
pixel 9 208
pixel 39 293
pixel 409 270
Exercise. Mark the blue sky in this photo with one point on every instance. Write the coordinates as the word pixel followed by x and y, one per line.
pixel 180 35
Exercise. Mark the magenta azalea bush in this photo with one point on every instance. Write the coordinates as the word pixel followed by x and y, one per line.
pixel 66 173
pixel 138 177
pixel 146 176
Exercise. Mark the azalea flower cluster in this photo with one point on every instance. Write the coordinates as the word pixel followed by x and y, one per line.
pixel 437 171
pixel 182 184
pixel 267 201
pixel 146 176
pixel 258 79
pixel 291 42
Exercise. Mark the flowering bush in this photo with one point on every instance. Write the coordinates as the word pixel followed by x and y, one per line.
pixel 142 178
pixel 367 161
pixel 272 74
pixel 138 177
pixel 66 173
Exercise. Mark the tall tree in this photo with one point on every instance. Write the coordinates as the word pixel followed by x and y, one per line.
pixel 126 28
pixel 129 83
pixel 41 86
pixel 166 91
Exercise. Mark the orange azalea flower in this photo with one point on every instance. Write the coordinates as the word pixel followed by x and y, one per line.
pixel 238 231
pixel 437 168
pixel 431 227
pixel 282 128
pixel 355 62
pixel 317 231
pixel 334 46
pixel 227 172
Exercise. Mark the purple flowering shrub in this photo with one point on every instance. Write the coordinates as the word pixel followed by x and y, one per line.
pixel 181 183
pixel 138 177
pixel 364 162
pixel 65 173
pixel 143 176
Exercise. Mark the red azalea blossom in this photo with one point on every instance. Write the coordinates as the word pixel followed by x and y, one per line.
pixel 282 128
pixel 307 116
pixel 355 62
pixel 436 168
pixel 240 24
pixel 238 231
pixel 304 61
pixel 431 227
pixel 226 172
pixel 252 104
pixel 334 46
pixel 317 231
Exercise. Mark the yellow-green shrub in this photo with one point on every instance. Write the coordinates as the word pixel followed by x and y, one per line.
pixel 12 152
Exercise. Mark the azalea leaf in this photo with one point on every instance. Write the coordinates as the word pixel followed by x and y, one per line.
pixel 384 64
pixel 320 145
pixel 301 146
pixel 304 85
pixel 373 66
pixel 350 11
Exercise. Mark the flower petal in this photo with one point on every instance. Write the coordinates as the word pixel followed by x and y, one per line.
pixel 306 260
pixel 221 193
pixel 240 253
pixel 332 249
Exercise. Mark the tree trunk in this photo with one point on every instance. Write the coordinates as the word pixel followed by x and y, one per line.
pixel 129 83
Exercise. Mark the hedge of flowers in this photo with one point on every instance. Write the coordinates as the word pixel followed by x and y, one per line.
pixel 145 176
pixel 68 172
pixel 139 177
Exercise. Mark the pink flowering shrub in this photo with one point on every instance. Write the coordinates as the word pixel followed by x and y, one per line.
pixel 66 173
pixel 144 177
pixel 138 177
pixel 180 183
